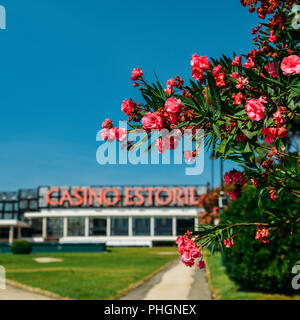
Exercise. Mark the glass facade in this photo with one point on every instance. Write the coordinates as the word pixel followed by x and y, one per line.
pixel 37 227
pixel 55 227
pixel 76 226
pixel 4 232
pixel 97 226
pixel 162 226
pixel 119 226
pixel 140 226
pixel 183 224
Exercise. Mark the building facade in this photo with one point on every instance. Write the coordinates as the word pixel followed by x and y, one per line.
pixel 116 215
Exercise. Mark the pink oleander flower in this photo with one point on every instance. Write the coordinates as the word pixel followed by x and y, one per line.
pixel 152 121
pixel 235 75
pixel 270 67
pixel 270 134
pixel 128 107
pixel 166 142
pixel 197 73
pixel 217 69
pixel 188 249
pixel 255 109
pixel 249 64
pixel 263 100
pixel 187 259
pixel 290 65
pixel 273 194
pixel 237 61
pixel 107 124
pixel 201 264
pixel 278 118
pixel 228 242
pixel 136 74
pixel 168 91
pixel 234 176
pixel 200 62
pixel 227 178
pixel 238 98
pixel 272 38
pixel 170 84
pixel 180 240
pixel 108 134
pixel 282 132
pixel 195 252
pixel 160 145
pixel 241 82
pixel 262 234
pixel 174 118
pixel 120 134
pixel 219 75
pixel 173 105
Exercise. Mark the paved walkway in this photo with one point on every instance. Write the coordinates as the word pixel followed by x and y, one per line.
pixel 176 282
pixel 15 293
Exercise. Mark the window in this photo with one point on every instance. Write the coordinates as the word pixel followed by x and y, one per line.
pixel 119 226
pixel 4 234
pixel 141 226
pixel 76 226
pixel 8 216
pixel 97 227
pixel 163 226
pixel 37 227
pixel 55 227
pixel 183 224
pixel 8 207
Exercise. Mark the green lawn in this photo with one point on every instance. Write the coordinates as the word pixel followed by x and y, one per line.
pixel 88 275
pixel 225 289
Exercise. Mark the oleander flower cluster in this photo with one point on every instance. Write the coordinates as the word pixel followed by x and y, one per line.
pixel 189 251
pixel 248 106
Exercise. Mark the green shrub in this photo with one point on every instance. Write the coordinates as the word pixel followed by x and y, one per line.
pixel 252 264
pixel 21 247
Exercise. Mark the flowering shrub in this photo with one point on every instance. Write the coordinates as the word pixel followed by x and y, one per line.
pixel 247 106
pixel 264 262
pixel 210 203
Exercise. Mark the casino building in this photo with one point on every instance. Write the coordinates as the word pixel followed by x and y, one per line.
pixel 116 215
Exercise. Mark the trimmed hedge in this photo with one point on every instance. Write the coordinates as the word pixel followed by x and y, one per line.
pixel 252 264
pixel 21 247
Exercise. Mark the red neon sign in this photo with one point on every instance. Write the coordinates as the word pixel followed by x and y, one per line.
pixel 132 197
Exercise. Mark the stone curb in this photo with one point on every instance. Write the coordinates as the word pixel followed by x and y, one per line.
pixel 36 290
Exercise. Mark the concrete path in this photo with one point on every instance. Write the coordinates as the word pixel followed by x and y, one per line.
pixel 15 293
pixel 176 282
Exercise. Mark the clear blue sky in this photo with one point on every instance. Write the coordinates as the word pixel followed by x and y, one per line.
pixel 65 66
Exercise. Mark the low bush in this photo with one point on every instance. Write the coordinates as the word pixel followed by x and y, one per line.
pixel 254 265
pixel 21 247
